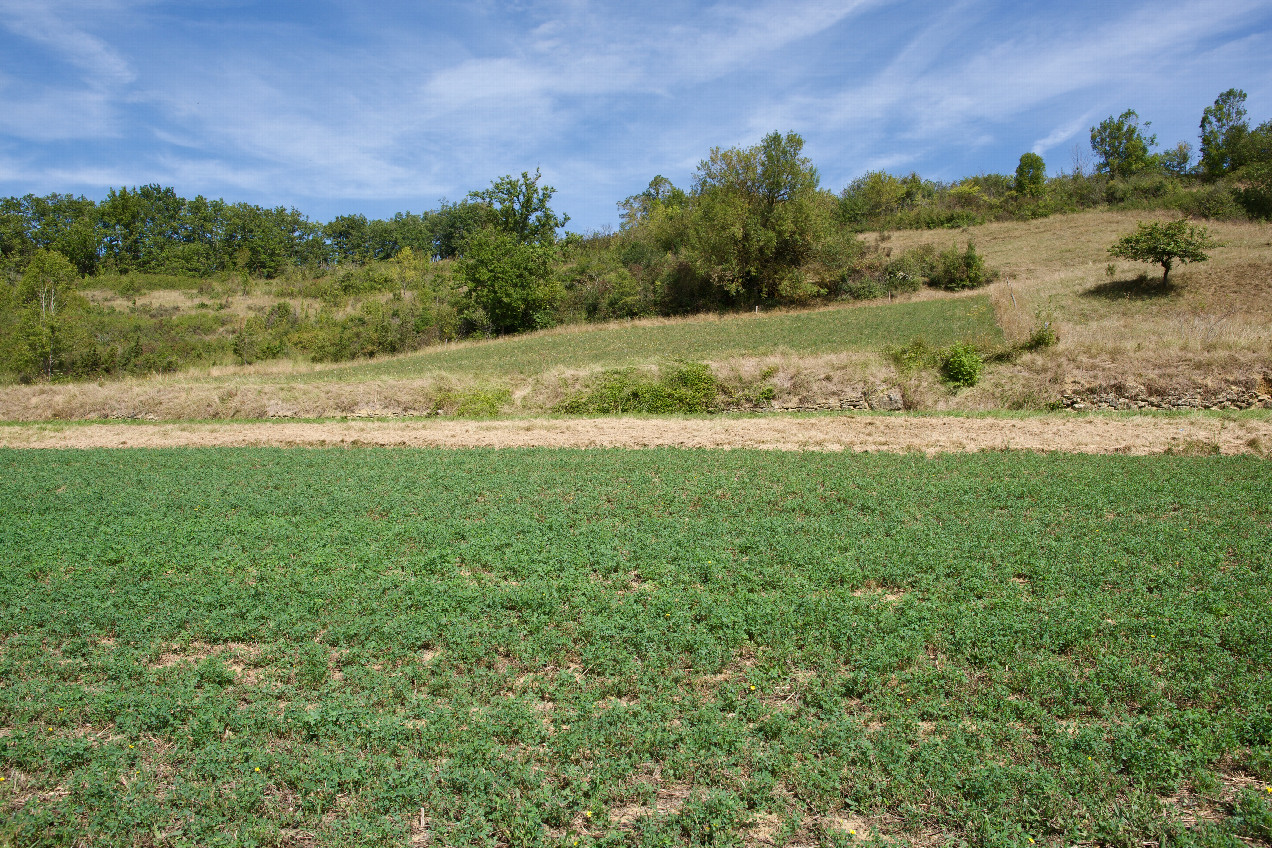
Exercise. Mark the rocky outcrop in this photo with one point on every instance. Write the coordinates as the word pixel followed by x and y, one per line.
pixel 1231 397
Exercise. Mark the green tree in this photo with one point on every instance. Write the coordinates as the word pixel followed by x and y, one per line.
pixel 509 280
pixel 1178 159
pixel 1031 175
pixel 1120 145
pixel 451 224
pixel 519 207
pixel 878 194
pixel 758 216
pixel 1223 131
pixel 350 238
pixel 44 292
pixel 659 195
pixel 1256 172
pixel 1165 244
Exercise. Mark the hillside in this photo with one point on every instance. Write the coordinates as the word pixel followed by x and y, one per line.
pixel 1118 333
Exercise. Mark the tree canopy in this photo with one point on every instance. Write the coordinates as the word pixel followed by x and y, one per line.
pixel 1121 146
pixel 1223 132
pixel 519 207
pixel 1031 175
pixel 1165 244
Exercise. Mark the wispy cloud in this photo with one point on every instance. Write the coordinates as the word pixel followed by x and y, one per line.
pixel 345 107
pixel 53 25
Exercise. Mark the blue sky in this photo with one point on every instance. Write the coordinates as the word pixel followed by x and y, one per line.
pixel 387 106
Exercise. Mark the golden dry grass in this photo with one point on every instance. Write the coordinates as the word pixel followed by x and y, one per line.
pixel 1211 326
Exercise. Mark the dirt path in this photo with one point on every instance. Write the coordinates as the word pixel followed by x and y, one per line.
pixel 1067 433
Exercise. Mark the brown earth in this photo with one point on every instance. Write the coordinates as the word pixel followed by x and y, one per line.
pixel 1142 435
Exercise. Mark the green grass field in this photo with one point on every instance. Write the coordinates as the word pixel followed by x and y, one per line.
pixel 644 648
pixel 858 328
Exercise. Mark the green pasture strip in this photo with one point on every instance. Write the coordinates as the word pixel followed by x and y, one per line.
pixel 663 647
pixel 940 322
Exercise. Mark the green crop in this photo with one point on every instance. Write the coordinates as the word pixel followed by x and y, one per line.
pixel 665 647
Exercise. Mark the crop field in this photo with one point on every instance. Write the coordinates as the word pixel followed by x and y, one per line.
pixel 640 648
pixel 855 328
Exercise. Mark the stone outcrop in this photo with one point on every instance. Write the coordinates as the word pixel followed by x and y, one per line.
pixel 1232 397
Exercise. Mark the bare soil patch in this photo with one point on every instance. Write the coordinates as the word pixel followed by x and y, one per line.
pixel 1141 435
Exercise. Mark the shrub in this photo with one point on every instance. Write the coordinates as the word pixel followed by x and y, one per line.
pixel 956 270
pixel 961 365
pixel 917 354
pixel 907 272
pixel 681 387
pixel 1216 201
pixel 1044 335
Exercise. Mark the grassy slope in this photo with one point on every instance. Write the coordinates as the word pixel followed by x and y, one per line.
pixel 640 648
pixel 1212 327
pixel 856 328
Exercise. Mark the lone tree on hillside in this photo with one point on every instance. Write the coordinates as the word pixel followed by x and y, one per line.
pixel 1165 244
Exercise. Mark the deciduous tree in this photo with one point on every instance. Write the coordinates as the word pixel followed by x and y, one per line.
pixel 519 207
pixel 1165 244
pixel 1031 175
pixel 1223 132
pixel 1120 145
pixel 509 280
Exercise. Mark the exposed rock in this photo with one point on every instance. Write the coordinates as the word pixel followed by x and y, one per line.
pixel 891 400
pixel 1229 397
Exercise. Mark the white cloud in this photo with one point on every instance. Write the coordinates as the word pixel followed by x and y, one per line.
pixel 1063 133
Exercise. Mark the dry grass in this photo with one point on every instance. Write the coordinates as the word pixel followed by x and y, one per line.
pixel 1211 326
pixel 1139 435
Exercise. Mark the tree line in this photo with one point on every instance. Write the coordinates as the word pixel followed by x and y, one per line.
pixel 754 226
pixel 152 229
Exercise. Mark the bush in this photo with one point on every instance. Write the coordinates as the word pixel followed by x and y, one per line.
pixel 1216 201
pixel 961 365
pixel 1044 335
pixel 957 270
pixel 682 387
pixel 907 272
pixel 917 354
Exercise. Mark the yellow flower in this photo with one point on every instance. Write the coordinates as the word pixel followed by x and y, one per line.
pixel 258 768
pixel 587 813
pixel 752 687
